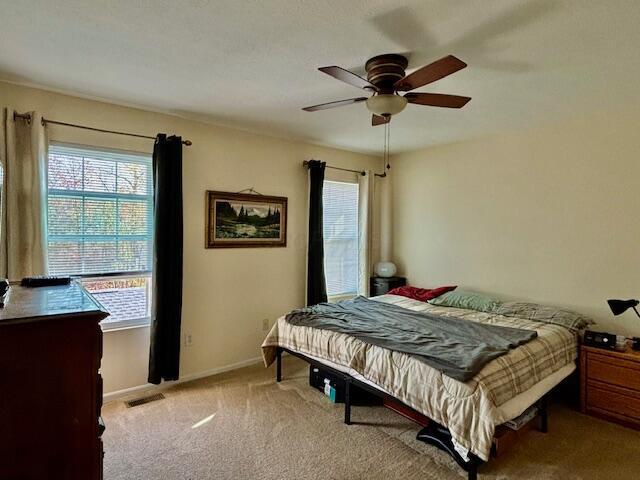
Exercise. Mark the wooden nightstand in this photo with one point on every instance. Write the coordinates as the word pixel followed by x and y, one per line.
pixel 610 385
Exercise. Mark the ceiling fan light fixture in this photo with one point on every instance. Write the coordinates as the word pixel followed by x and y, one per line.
pixel 386 104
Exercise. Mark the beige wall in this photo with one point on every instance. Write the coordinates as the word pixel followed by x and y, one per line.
pixel 548 215
pixel 227 292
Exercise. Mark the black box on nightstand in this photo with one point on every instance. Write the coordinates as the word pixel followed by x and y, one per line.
pixel 381 285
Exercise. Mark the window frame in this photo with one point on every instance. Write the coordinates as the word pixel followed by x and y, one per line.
pixel 116 275
pixel 129 322
pixel 346 295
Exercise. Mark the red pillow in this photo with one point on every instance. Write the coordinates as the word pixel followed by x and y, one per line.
pixel 422 294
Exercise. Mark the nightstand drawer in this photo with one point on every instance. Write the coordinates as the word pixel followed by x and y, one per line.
pixel 610 385
pixel 614 371
pixel 613 402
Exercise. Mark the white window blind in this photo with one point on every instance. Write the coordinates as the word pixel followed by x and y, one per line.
pixel 100 222
pixel 100 211
pixel 340 230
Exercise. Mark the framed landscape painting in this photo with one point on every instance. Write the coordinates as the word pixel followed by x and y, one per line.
pixel 245 220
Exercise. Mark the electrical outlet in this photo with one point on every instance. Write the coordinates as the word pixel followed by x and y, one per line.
pixel 188 340
pixel 265 324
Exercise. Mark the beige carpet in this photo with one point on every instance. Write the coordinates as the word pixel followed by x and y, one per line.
pixel 242 425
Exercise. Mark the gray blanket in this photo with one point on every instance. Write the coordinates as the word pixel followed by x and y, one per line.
pixel 458 348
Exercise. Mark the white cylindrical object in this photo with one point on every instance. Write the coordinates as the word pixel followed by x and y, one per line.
pixel 385 269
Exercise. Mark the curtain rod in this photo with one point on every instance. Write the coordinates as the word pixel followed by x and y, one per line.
pixel 45 121
pixel 359 172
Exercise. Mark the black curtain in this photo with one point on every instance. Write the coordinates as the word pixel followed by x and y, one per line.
pixel 164 354
pixel 316 285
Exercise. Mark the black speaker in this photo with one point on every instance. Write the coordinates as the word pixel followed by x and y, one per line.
pixel 599 340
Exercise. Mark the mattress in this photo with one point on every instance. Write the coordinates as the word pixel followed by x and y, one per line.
pixel 470 410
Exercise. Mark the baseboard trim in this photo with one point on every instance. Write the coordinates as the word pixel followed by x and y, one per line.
pixel 149 387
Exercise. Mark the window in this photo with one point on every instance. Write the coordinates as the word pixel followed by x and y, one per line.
pixel 100 224
pixel 340 230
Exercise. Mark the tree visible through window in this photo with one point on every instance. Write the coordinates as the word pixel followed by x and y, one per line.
pixel 340 231
pixel 100 215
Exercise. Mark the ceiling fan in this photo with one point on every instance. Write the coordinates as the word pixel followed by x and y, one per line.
pixel 386 78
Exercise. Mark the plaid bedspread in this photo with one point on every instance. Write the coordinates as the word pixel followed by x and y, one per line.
pixel 468 409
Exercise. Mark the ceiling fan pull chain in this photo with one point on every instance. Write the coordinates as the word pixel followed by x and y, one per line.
pixel 384 148
pixel 388 144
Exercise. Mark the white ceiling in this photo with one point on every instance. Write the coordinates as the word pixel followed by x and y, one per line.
pixel 253 64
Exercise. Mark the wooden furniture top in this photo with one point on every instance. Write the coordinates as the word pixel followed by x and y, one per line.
pixel 628 354
pixel 24 304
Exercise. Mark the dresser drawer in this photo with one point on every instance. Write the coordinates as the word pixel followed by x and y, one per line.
pixel 614 371
pixel 99 396
pixel 617 403
pixel 99 347
pixel 100 462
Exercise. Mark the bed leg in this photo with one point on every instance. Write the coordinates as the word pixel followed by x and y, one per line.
pixel 278 364
pixel 544 415
pixel 347 401
pixel 472 473
pixel 440 437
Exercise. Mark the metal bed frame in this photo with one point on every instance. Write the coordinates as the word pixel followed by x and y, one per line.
pixel 433 434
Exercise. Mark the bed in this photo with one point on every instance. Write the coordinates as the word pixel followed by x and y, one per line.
pixel 502 390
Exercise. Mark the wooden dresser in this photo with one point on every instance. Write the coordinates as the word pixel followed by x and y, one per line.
pixel 50 388
pixel 610 385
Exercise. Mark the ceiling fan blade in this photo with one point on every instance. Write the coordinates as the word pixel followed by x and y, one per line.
pixel 339 103
pixel 403 27
pixel 430 73
pixel 348 77
pixel 437 99
pixel 379 120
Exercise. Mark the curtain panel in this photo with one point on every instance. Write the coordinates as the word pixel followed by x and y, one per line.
pixel 365 221
pixel 166 316
pixel 23 198
pixel 316 282
pixel 385 219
